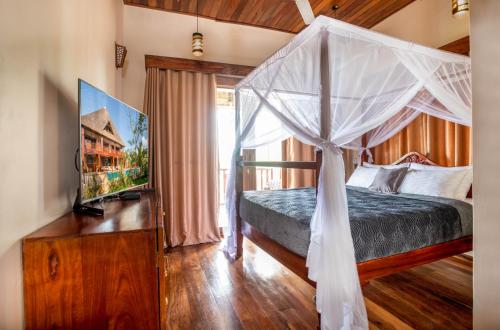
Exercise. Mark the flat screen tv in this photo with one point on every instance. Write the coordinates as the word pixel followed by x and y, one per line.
pixel 113 145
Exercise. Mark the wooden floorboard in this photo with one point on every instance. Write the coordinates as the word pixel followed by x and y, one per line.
pixel 206 291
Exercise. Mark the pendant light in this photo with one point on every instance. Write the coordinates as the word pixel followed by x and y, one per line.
pixel 197 38
pixel 459 7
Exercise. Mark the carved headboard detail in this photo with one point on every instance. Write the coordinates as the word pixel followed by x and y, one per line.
pixel 414 157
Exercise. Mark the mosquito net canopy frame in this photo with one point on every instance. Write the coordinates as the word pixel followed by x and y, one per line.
pixel 332 84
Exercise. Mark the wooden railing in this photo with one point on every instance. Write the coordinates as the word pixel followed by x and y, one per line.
pixel 105 151
pixel 280 164
pixel 264 178
pixel 314 165
pixel 94 168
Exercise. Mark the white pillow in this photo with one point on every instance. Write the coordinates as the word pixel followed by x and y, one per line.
pixel 390 167
pixel 442 183
pixel 465 184
pixel 362 177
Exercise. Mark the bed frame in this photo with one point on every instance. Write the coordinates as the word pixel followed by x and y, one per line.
pixel 367 270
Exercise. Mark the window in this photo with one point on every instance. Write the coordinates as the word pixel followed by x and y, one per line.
pixel 225 141
pixel 266 178
pixel 106 161
pixel 108 128
pixel 89 142
pixel 90 163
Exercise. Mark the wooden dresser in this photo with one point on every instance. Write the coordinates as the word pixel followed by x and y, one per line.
pixel 83 272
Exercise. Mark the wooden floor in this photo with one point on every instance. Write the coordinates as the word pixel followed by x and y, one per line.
pixel 256 292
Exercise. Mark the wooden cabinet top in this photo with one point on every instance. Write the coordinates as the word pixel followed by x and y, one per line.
pixel 119 216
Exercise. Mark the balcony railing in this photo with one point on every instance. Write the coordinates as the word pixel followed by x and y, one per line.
pixel 94 148
pixel 265 179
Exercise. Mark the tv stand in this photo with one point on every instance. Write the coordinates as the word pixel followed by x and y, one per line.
pixel 83 209
pixel 83 273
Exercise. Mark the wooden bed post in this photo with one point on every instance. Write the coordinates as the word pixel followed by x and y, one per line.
pixel 364 156
pixel 325 115
pixel 239 176
pixel 319 160
pixel 325 106
pixel 325 87
pixel 239 191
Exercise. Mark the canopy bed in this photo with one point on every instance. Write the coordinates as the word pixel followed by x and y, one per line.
pixel 340 86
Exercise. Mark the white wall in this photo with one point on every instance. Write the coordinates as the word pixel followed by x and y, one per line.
pixel 44 47
pixel 485 54
pixel 155 32
pixel 426 22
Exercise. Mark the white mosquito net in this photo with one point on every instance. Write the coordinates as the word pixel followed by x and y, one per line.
pixel 333 83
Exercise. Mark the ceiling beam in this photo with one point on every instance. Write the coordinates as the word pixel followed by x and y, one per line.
pixel 183 64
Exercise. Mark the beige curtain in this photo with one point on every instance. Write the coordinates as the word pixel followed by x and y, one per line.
pixel 294 150
pixel 444 142
pixel 183 141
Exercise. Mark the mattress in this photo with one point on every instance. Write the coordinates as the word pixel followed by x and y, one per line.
pixel 381 224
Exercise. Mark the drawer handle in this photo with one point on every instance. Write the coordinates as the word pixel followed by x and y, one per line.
pixel 53 264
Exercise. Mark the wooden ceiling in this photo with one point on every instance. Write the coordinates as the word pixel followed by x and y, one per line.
pixel 280 15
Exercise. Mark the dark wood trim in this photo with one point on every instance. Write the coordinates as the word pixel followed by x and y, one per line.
pixel 184 64
pixel 227 81
pixel 278 15
pixel 367 270
pixel 414 157
pixel 239 191
pixel 280 164
pixel 364 142
pixel 460 46
pixel 396 263
pixel 208 17
pixel 319 161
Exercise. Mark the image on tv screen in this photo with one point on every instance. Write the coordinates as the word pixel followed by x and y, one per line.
pixel 114 144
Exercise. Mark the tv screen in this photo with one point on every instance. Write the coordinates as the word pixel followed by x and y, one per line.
pixel 113 144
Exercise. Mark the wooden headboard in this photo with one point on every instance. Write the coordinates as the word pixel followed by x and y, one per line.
pixel 414 157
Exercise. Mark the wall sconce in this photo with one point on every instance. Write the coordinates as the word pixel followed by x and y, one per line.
pixel 120 53
pixel 459 7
